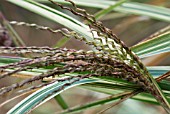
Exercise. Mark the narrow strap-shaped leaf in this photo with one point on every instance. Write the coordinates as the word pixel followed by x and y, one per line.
pixel 55 16
pixel 61 101
pixel 34 99
pixel 131 7
pixel 158 70
pixel 15 37
pixel 156 45
pixel 100 102
pixel 103 12
pixel 141 97
pixel 62 42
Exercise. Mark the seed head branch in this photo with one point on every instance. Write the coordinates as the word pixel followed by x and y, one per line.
pixel 149 83
pixel 53 72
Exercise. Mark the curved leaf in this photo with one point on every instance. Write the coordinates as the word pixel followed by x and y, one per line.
pixel 100 102
pixel 156 45
pixel 155 12
pixel 55 16
pixel 44 94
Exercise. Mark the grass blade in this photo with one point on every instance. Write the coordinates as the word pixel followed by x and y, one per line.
pixel 34 99
pixel 155 12
pixel 100 102
pixel 55 16
pixel 15 37
pixel 156 45
pixel 62 42
pixel 145 97
pixel 61 101
pixel 103 12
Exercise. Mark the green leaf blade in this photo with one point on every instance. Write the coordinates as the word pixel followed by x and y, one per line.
pixel 155 12
pixel 156 45
pixel 37 98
